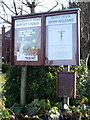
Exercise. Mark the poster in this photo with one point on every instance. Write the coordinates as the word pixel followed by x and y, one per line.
pixel 27 39
pixel 59 35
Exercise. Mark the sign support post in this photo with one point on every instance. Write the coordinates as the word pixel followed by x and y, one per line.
pixel 66 98
pixel 23 85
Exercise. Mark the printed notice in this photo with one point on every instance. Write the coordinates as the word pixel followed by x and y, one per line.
pixel 59 36
pixel 60 42
pixel 27 39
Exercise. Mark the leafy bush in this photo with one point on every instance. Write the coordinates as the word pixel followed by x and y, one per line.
pixel 44 110
pixel 12 85
pixel 41 83
pixel 82 82
pixel 5 67
pixel 5 113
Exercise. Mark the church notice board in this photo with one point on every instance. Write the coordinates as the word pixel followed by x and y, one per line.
pixel 63 38
pixel 51 38
pixel 66 84
pixel 27 48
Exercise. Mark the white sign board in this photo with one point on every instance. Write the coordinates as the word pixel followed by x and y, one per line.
pixel 60 36
pixel 27 39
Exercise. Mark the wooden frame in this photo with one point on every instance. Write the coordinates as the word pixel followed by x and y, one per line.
pixel 53 60
pixel 39 60
pixel 43 50
pixel 66 84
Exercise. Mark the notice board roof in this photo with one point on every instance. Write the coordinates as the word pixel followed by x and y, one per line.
pixel 57 11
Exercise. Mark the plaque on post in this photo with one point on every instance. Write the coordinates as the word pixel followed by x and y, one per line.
pixel 66 84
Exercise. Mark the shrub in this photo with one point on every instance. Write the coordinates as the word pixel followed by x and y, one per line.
pixel 12 85
pixel 82 82
pixel 5 67
pixel 41 83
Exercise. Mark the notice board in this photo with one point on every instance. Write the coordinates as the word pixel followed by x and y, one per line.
pixel 63 38
pixel 51 38
pixel 27 39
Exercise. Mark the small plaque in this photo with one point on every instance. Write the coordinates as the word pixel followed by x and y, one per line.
pixel 66 84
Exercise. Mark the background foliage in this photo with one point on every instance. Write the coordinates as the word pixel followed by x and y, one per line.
pixel 82 82
pixel 41 83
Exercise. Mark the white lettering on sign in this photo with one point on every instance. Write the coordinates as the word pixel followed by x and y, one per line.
pixel 31 22
pixel 61 19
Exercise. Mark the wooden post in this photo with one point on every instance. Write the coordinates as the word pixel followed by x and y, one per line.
pixel 23 85
pixel 66 99
pixel 67 68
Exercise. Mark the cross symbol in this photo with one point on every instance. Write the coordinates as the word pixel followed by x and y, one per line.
pixel 61 33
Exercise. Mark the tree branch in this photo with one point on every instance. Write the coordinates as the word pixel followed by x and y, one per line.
pixel 15 7
pixel 8 7
pixel 24 11
pixel 4 9
pixel 39 2
pixel 53 6
pixel 43 6
pixel 5 20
